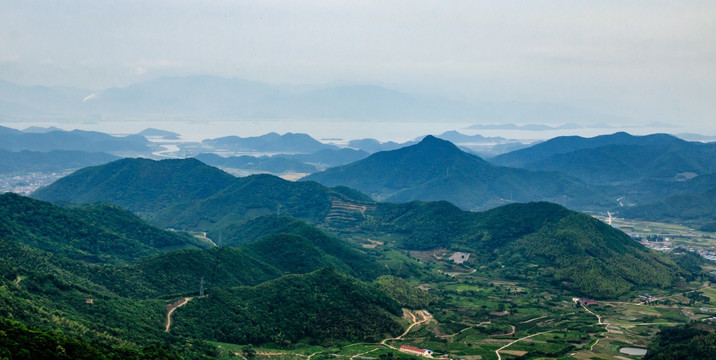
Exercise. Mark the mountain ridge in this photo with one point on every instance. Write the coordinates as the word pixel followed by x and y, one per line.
pixel 436 169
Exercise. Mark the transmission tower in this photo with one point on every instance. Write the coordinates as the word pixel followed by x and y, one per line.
pixel 201 287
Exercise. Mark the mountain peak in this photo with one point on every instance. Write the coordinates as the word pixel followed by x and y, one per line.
pixel 433 141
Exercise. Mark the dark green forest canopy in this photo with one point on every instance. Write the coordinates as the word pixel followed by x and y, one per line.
pixel 570 248
pixel 58 285
pixel 99 233
pixel 491 235
pixel 142 186
pixel 688 342
pixel 187 194
pixel 322 307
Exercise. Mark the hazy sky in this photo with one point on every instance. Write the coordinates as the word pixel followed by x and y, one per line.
pixel 650 59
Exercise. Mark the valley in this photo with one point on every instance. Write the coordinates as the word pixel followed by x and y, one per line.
pixel 357 180
pixel 479 318
pixel 258 267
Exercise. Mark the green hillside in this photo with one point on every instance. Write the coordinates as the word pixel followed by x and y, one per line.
pixel 47 292
pixel 125 319
pixel 688 342
pixel 99 233
pixel 187 194
pixel 295 248
pixel 142 186
pixel 317 308
pixel 491 235
pixel 591 257
pixel 178 273
pixel 267 237
pixel 250 197
pixel 535 241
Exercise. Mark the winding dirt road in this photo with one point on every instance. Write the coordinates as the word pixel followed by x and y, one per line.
pixel 174 306
pixel 499 357
pixel 424 314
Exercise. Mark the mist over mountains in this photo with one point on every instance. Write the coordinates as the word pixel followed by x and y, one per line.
pixel 213 96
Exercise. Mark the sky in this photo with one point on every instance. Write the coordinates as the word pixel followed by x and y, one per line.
pixel 652 60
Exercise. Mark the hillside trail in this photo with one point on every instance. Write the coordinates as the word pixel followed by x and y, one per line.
pixel 512 332
pixel 171 308
pixel 499 357
pixel 599 322
pixel 426 316
pixel 363 353
pixel 599 318
pixel 465 329
pixel 531 320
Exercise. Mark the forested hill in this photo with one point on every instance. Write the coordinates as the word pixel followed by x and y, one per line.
pixel 263 236
pixel 254 196
pixel 99 233
pixel 179 272
pixel 319 308
pixel 503 236
pixel 535 240
pixel 187 194
pixel 125 318
pixel 107 234
pixel 435 169
pixel 142 186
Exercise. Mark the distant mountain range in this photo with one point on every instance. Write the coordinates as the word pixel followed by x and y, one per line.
pixel 476 144
pixel 568 144
pixel 203 95
pixel 581 173
pixel 636 169
pixel 373 145
pixel 75 140
pixel 694 208
pixel 329 157
pixel 270 164
pixel 529 127
pixel 271 143
pixel 436 169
